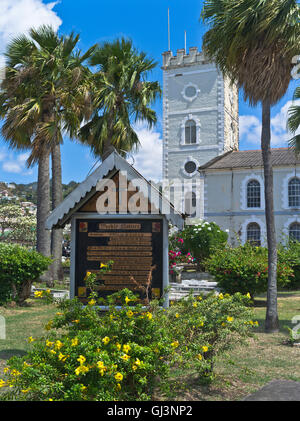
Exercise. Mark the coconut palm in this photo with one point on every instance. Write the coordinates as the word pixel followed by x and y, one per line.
pixel 293 122
pixel 121 97
pixel 253 42
pixel 44 94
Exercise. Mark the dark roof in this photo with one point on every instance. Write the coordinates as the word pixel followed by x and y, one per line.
pixel 249 159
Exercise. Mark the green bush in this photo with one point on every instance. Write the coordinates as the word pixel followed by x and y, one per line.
pixel 202 239
pixel 245 269
pixel 204 327
pixel 19 267
pixel 290 254
pixel 127 352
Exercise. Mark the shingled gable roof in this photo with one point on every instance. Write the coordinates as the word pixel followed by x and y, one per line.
pixel 84 191
pixel 251 159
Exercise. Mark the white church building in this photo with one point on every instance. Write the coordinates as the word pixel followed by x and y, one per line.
pixel 201 149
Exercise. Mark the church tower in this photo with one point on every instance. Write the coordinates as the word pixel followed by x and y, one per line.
pixel 200 109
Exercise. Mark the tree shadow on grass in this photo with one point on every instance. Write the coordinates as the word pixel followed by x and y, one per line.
pixel 8 353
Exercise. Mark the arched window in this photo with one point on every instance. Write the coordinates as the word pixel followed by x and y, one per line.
pixel 253 194
pixel 190 132
pixel 294 192
pixel 190 204
pixel 254 234
pixel 294 231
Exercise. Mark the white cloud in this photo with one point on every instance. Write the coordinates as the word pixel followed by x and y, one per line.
pixel 16 164
pixel 250 128
pixel 148 160
pixel 17 16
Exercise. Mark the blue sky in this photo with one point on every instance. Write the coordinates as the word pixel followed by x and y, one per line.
pixel 145 22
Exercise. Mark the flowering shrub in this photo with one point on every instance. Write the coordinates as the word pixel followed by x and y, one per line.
pixel 19 268
pixel 117 355
pixel 126 352
pixel 205 327
pixel 202 239
pixel 177 255
pixel 245 269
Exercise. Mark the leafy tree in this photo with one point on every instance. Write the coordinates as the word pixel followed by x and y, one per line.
pixel 45 93
pixel 17 226
pixel 293 122
pixel 253 42
pixel 121 96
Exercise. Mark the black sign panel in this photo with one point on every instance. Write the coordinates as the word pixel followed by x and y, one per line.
pixel 135 247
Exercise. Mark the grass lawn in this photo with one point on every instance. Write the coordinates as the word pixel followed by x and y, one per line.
pixel 239 372
pixel 22 322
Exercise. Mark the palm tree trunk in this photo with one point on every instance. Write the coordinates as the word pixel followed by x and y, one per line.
pixel 271 322
pixel 57 234
pixel 43 205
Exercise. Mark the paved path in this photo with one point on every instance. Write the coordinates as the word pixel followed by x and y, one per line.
pixel 277 390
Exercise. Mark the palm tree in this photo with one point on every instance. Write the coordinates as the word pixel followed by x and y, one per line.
pixel 253 42
pixel 45 94
pixel 121 97
pixel 293 122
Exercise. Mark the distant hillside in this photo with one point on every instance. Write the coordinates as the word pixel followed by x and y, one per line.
pixel 28 192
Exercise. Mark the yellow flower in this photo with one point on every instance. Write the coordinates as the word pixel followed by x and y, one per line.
pixel 25 390
pixel 119 386
pixel 221 296
pixel 92 302
pixel 102 265
pixel 82 388
pixel 129 313
pixel 53 352
pixel 48 291
pixel 100 364
pixel 138 362
pixel 58 344
pixel 125 357
pixel 59 313
pixel 81 370
pixel 199 298
pixel 195 304
pixel 223 324
pixel 119 377
pixel 199 356
pixel 49 343
pixel 38 294
pixel 30 339
pixel 149 315
pixel 127 300
pixel 205 348
pixel 119 346
pixel 6 369
pixel 175 344
pixel 50 400
pixel 229 319
pixel 248 295
pixel 134 367
pixel 201 324
pixel 62 357
pixel 126 348
pixel 74 342
pixel 256 323
pixel 176 315
pixel 105 340
pixel 75 321
pixel 2 383
pixel 81 359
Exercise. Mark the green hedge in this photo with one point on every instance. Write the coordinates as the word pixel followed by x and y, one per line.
pixel 245 269
pixel 19 267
